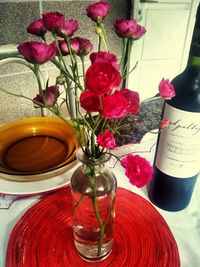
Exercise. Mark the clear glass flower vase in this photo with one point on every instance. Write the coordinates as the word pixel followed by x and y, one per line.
pixel 93 188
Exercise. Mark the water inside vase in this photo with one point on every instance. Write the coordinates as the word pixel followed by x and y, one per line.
pixel 87 229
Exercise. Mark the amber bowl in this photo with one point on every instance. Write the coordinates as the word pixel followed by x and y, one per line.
pixel 36 148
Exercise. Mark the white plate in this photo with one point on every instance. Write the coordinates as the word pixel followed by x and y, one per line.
pixel 9 187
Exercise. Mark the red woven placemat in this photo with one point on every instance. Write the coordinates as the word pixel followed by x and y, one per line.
pixel 43 236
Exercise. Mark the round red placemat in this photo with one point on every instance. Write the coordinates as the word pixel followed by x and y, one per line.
pixel 43 236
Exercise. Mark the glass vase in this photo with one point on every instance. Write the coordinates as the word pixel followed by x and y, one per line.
pixel 93 188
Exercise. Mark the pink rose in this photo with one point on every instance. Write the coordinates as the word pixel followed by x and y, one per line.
pixel 106 140
pixel 48 97
pixel 70 26
pixel 98 11
pixel 37 52
pixel 166 89
pixel 81 46
pixel 104 57
pixel 138 170
pixel 89 101
pixel 53 21
pixel 133 100
pixel 114 106
pixel 101 78
pixel 129 28
pixel 37 28
pixel 164 124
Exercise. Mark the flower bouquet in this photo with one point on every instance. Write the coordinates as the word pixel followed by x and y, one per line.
pixel 96 101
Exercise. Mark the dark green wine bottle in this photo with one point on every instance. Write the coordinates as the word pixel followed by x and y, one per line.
pixel 177 158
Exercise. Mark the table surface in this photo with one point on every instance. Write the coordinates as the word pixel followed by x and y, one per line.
pixel 185 224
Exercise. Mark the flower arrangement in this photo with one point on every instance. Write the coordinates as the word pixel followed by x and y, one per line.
pixel 98 90
pixel 95 98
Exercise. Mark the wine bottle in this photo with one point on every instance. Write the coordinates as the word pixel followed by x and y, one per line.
pixel 177 157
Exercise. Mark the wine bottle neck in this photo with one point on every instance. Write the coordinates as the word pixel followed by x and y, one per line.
pixel 194 54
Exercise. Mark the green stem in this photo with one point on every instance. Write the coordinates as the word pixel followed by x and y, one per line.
pixel 126 60
pixel 62 68
pixel 38 77
pixel 100 30
pixel 74 65
pixel 37 71
pixel 99 43
pixel 83 69
pixel 60 56
pixel 122 61
pixel 18 95
pixel 101 225
pixel 104 36
pixel 102 228
pixel 78 202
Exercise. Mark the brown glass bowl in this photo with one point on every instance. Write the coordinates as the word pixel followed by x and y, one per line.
pixel 36 148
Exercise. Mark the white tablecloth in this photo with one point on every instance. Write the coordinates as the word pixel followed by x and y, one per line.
pixel 185 225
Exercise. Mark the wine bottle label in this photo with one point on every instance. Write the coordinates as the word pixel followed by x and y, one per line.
pixel 178 152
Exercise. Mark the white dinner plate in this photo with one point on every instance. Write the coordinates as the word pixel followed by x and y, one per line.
pixel 9 187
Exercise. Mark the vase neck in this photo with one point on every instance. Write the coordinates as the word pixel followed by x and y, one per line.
pixel 83 158
pixel 92 165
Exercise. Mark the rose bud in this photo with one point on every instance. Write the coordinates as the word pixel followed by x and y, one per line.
pixel 37 28
pixel 98 11
pixel 53 21
pixel 63 47
pixel 37 52
pixel 75 44
pixel 129 28
pixel 81 46
pixel 48 96
pixel 60 79
pixel 85 47
pixel 70 26
pixel 163 124
pixel 106 139
pixel 166 89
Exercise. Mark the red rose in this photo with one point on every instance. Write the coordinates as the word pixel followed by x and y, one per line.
pixel 89 101
pixel 114 106
pixel 53 21
pixel 37 52
pixel 48 97
pixel 37 28
pixel 138 170
pixel 166 89
pixel 106 139
pixel 101 78
pixel 104 57
pixel 81 46
pixel 69 27
pixel 133 100
pixel 98 11
pixel 129 28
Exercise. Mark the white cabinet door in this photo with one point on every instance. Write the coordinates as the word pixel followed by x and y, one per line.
pixel 163 51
